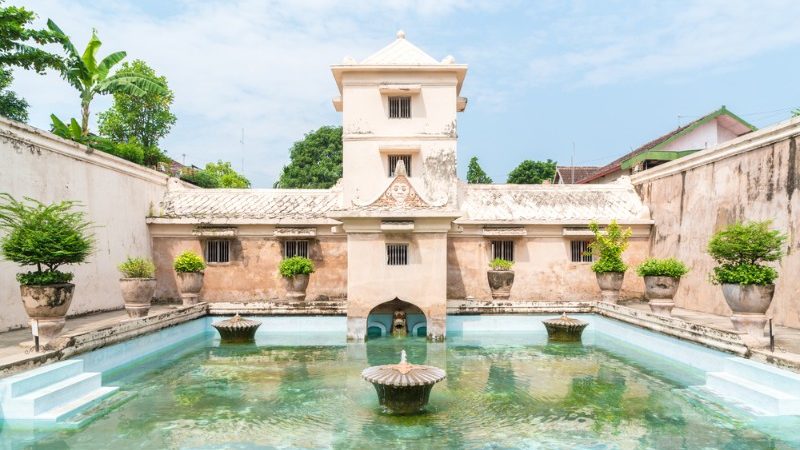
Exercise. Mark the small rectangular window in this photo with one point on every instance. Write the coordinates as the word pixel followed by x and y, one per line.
pixel 503 250
pixel 397 254
pixel 399 107
pixel 580 251
pixel 218 251
pixel 393 163
pixel 295 248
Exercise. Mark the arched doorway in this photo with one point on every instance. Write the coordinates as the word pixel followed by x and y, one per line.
pixel 380 319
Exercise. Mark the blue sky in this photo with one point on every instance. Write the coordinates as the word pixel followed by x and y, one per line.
pixel 604 75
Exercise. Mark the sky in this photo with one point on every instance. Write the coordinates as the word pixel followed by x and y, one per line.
pixel 581 81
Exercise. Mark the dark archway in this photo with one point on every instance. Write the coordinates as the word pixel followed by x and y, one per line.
pixel 379 320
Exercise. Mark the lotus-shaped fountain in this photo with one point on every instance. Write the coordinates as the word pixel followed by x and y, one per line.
pixel 564 329
pixel 237 330
pixel 403 388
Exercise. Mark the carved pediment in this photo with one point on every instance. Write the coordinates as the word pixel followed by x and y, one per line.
pixel 400 194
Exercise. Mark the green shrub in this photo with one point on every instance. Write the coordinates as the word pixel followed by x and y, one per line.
pixel 43 235
pixel 741 248
pixel 189 261
pixel 608 246
pixel 296 265
pixel 137 268
pixel 501 264
pixel 655 267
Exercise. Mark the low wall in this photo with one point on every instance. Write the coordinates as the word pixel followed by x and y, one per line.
pixel 754 177
pixel 116 194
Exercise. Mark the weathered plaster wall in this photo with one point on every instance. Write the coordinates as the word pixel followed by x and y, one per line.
pixel 755 177
pixel 252 275
pixel 117 196
pixel 543 269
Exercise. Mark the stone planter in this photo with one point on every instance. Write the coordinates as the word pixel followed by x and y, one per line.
pixel 500 282
pixel 137 293
pixel 296 287
pixel 749 303
pixel 48 305
pixel 660 291
pixel 190 284
pixel 610 284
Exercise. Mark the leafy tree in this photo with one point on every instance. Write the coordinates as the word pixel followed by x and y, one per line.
pixel 741 250
pixel 608 246
pixel 131 150
pixel 475 174
pixel 90 78
pixel 11 106
pixel 144 117
pixel 217 175
pixel 316 161
pixel 532 172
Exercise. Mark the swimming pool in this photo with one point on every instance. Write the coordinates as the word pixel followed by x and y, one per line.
pixel 506 387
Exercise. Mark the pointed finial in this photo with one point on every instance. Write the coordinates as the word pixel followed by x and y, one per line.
pixel 400 168
pixel 449 59
pixel 401 34
pixel 403 357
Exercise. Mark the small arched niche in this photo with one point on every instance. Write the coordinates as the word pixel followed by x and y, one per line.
pixel 381 319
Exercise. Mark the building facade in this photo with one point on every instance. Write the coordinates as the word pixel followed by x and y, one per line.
pixel 399 229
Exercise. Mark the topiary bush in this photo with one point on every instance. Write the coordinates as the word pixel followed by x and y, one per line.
pixel 137 268
pixel 740 250
pixel 47 236
pixel 654 267
pixel 189 262
pixel 501 264
pixel 296 265
pixel 608 246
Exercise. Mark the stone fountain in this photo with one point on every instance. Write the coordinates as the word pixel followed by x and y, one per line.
pixel 403 388
pixel 237 330
pixel 564 329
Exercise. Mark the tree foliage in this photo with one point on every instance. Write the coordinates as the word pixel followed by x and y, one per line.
pixel 475 173
pixel 532 172
pixel 315 161
pixel 91 77
pixel 137 268
pixel 16 38
pixel 43 235
pixel 189 262
pixel 742 248
pixel 608 246
pixel 669 267
pixel 217 175
pixel 11 105
pixel 295 265
pixel 147 117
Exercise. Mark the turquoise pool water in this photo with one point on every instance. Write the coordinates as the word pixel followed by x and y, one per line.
pixel 504 390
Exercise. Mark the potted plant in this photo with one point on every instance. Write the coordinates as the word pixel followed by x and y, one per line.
pixel 747 283
pixel 609 268
pixel 138 285
pixel 46 236
pixel 501 278
pixel 296 271
pixel 189 267
pixel 661 280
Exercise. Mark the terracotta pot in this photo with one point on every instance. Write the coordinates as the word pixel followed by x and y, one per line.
pixel 296 287
pixel 48 305
pixel 660 291
pixel 137 293
pixel 500 282
pixel 610 284
pixel 749 303
pixel 190 284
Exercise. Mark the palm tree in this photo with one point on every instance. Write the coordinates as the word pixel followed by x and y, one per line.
pixel 90 77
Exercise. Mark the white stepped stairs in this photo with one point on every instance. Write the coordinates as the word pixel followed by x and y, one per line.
pixel 763 389
pixel 51 393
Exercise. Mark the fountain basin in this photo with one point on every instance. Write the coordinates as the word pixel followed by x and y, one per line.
pixel 403 388
pixel 237 330
pixel 564 329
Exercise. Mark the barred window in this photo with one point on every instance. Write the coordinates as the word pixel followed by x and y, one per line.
pixel 218 251
pixel 580 251
pixel 393 163
pixel 295 248
pixel 399 107
pixel 397 254
pixel 503 250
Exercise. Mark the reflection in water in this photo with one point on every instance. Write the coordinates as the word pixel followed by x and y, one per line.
pixel 511 396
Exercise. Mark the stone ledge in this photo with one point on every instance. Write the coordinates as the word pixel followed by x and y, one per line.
pixel 281 308
pixel 463 307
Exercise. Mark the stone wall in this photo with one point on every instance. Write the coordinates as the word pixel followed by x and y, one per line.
pixel 117 196
pixel 755 177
